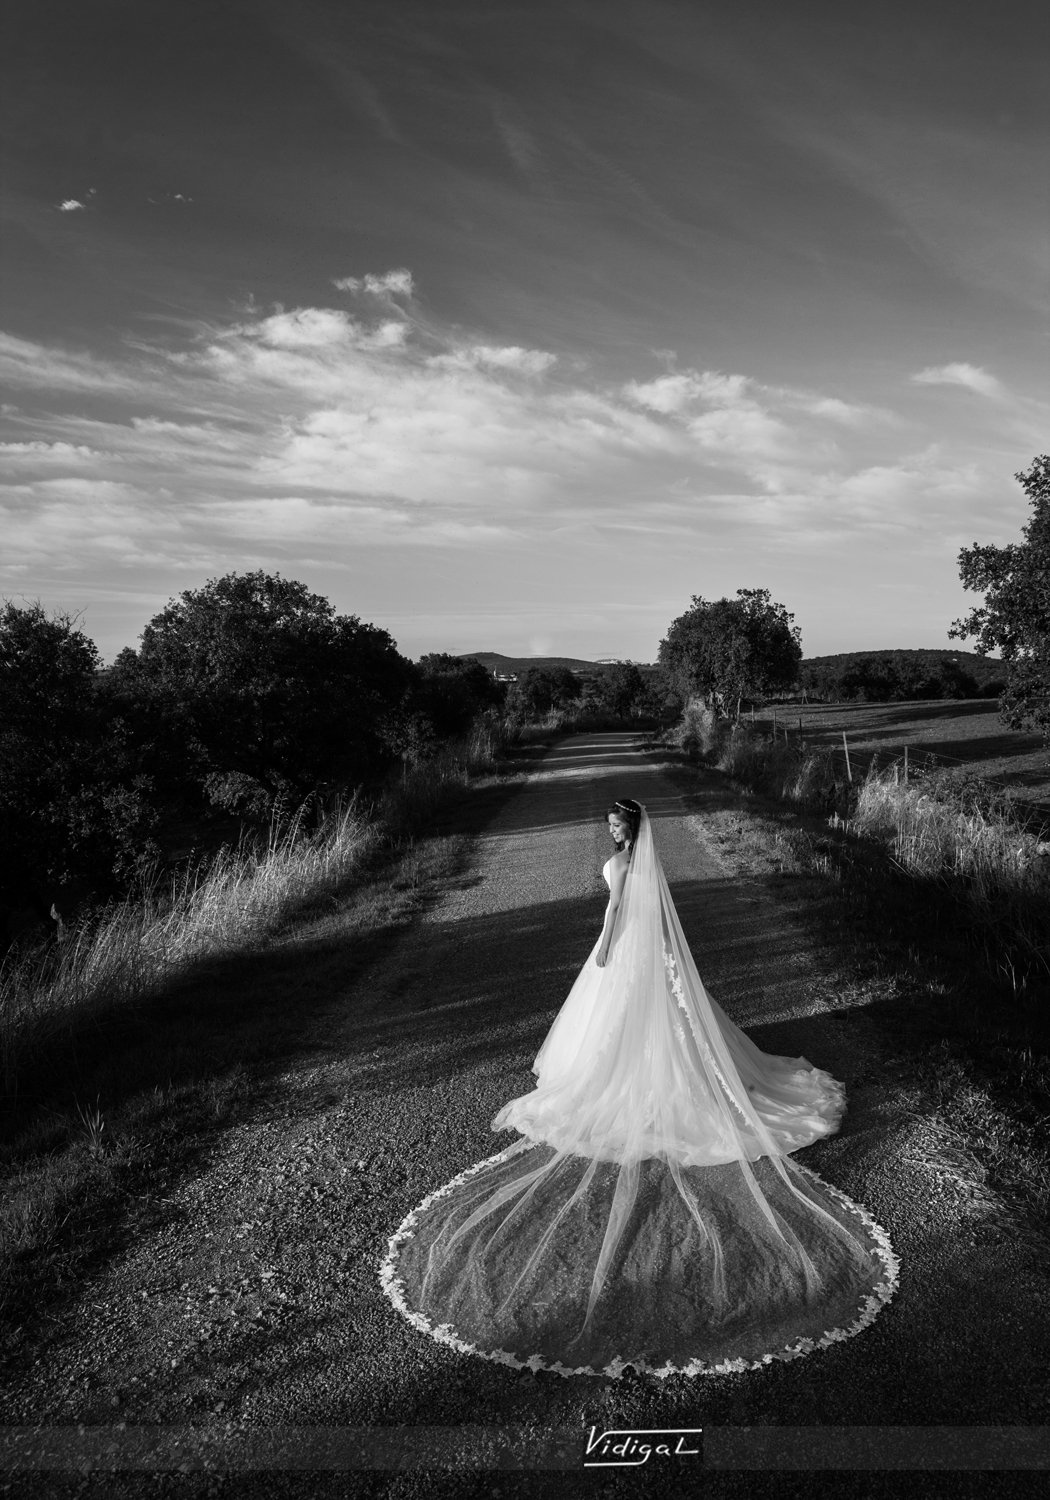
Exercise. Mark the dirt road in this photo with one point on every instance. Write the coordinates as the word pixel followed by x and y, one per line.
pixel 257 1300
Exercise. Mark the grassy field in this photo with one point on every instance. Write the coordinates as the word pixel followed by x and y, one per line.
pixel 957 732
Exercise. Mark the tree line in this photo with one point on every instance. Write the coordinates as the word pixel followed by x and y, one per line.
pixel 245 698
pixel 897 676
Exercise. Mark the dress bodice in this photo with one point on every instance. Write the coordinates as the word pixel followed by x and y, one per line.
pixel 606 867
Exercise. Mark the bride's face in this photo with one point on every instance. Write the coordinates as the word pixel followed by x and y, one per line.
pixel 619 828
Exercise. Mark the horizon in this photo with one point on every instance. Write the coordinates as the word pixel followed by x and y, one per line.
pixel 525 323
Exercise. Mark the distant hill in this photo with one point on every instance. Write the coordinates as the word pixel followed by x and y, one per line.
pixel 513 664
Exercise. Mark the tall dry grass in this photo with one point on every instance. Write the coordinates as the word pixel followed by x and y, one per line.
pixel 574 719
pixel 229 904
pixel 131 949
pixel 412 795
pixel 998 866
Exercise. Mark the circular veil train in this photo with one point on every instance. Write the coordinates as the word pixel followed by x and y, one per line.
pixel 648 1214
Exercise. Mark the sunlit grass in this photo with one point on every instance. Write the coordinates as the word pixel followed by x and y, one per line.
pixel 229 903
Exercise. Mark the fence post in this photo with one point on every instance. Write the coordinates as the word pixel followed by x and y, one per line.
pixel 845 746
pixel 905 765
pixel 800 729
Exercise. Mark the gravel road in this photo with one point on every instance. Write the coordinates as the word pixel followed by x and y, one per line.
pixel 257 1302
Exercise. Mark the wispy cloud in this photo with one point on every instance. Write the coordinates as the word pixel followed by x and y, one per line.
pixel 970 376
pixel 392 283
pixel 673 393
pixel 508 357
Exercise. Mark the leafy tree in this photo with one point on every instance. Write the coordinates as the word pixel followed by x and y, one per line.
pixel 1015 616
pixel 454 690
pixel 73 811
pixel 267 692
pixel 566 687
pixel 623 690
pixel 538 690
pixel 728 649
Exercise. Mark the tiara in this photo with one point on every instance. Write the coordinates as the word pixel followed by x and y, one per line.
pixel 627 809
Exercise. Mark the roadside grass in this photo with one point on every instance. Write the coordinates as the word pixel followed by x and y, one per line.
pixel 127 1048
pixel 907 937
pixel 136 948
pixel 574 721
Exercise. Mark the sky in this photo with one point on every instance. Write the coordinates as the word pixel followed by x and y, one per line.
pixel 513 325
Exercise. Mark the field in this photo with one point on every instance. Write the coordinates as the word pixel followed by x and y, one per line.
pixel 956 732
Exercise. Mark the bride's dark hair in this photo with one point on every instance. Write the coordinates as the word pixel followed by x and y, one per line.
pixel 631 813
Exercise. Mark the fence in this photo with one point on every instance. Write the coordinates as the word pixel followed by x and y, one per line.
pixel 857 764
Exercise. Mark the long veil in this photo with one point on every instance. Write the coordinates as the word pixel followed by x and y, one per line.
pixel 648 1213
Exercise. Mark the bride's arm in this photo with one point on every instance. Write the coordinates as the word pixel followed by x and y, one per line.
pixel 616 881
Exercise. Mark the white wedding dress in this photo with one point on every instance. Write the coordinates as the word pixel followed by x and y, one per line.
pixel 648 1213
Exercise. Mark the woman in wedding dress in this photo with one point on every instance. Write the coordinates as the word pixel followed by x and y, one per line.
pixel 649 1213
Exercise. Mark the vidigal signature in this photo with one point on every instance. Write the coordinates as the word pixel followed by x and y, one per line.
pixel 617 1447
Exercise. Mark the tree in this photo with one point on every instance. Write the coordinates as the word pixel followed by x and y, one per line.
pixel 268 692
pixel 538 690
pixel 729 649
pixel 454 690
pixel 623 690
pixel 879 676
pixel 1015 616
pixel 73 811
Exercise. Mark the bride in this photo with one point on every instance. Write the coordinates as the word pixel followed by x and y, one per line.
pixel 649 1213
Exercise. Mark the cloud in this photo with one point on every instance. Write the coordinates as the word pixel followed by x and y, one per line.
pixel 672 393
pixel 25 364
pixel 508 357
pixel 321 328
pixel 315 428
pixel 70 205
pixel 397 283
pixel 37 452
pixel 970 376
pixel 839 411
